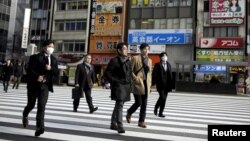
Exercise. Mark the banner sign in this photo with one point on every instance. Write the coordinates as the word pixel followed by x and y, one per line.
pixel 219 55
pixel 26 25
pixel 165 36
pixel 227 12
pixel 221 43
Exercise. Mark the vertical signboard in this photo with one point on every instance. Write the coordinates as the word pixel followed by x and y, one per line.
pixel 26 25
pixel 227 12
pixel 106 25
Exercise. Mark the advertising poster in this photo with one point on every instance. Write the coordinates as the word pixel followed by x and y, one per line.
pixel 227 12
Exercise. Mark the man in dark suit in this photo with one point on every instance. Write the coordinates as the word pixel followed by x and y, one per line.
pixel 162 77
pixel 119 74
pixel 85 78
pixel 42 67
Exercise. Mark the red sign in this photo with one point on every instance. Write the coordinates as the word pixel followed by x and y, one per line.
pixel 221 43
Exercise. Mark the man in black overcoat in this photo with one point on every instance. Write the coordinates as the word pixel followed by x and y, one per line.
pixel 118 73
pixel 85 79
pixel 162 77
pixel 41 70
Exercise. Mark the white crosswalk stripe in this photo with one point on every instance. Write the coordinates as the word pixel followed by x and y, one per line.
pixel 187 117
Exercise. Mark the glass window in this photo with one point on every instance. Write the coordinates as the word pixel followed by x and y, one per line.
pixel 176 23
pixel 189 23
pixel 59 26
pixel 83 5
pixel 43 24
pixel 135 24
pixel 82 47
pixel 208 32
pixel 233 32
pixel 183 23
pixel 169 23
pixel 206 6
pixel 61 6
pixel 59 47
pixel 35 4
pixel 72 5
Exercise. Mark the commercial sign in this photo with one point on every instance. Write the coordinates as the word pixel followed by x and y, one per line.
pixel 227 12
pixel 221 55
pixel 101 59
pixel 26 25
pixel 154 49
pixel 165 36
pixel 209 68
pixel 109 7
pixel 221 43
pixel 106 25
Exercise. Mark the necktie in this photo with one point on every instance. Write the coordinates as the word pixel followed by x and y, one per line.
pixel 165 66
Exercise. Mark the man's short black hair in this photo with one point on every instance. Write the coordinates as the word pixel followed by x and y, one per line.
pixel 120 45
pixel 143 45
pixel 47 42
pixel 163 53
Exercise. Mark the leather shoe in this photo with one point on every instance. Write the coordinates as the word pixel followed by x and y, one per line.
pixel 161 115
pixel 155 111
pixel 128 118
pixel 39 132
pixel 25 122
pixel 113 126
pixel 75 110
pixel 92 110
pixel 120 130
pixel 142 124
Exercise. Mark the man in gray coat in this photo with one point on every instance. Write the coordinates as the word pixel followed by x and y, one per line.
pixel 118 73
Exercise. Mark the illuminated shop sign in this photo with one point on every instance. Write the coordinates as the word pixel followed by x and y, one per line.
pixel 221 55
pixel 221 43
pixel 210 68
pixel 167 36
pixel 227 12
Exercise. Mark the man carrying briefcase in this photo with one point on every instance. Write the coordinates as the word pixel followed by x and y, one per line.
pixel 84 80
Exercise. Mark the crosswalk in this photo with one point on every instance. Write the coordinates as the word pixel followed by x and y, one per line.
pixel 187 117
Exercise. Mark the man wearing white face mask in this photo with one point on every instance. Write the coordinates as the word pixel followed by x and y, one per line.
pixel 162 77
pixel 41 70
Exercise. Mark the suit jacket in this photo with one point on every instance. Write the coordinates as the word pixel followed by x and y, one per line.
pixel 7 72
pixel 162 79
pixel 137 75
pixel 37 67
pixel 118 74
pixel 82 78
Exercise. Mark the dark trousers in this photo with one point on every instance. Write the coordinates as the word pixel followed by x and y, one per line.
pixel 161 102
pixel 87 92
pixel 140 101
pixel 117 114
pixel 41 94
pixel 5 85
pixel 17 80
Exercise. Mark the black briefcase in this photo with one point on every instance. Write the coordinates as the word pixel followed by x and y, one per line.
pixel 77 93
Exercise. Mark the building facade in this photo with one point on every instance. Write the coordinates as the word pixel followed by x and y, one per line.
pixel 69 26
pixel 40 22
pixel 4 26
